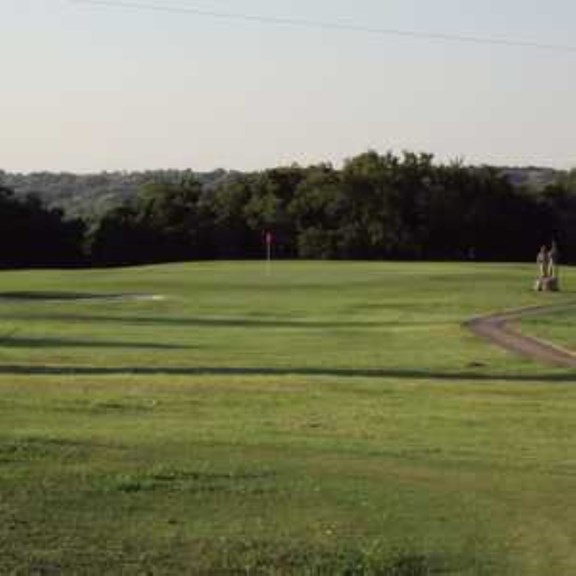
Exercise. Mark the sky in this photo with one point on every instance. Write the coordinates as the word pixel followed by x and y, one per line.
pixel 87 88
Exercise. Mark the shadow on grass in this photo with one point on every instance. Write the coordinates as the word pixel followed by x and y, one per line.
pixel 39 296
pixel 197 322
pixel 398 373
pixel 16 342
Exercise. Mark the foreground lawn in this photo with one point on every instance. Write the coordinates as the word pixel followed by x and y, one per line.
pixel 328 418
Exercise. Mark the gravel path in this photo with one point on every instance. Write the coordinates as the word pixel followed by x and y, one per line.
pixel 496 329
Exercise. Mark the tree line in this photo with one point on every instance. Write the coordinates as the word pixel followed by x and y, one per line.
pixel 33 236
pixel 376 206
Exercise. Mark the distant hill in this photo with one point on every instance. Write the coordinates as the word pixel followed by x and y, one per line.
pixel 88 196
pixel 532 178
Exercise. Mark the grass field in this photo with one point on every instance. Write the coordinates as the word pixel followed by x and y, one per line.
pixel 331 418
pixel 556 327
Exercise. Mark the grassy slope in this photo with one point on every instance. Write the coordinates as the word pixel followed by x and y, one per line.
pixel 328 416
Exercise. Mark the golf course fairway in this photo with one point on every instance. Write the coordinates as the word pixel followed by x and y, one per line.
pixel 322 418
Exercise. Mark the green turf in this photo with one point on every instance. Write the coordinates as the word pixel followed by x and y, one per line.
pixel 330 418
pixel 556 327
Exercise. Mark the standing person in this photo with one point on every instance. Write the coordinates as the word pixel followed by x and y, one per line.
pixel 553 261
pixel 543 262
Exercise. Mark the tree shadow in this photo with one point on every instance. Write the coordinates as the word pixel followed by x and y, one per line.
pixel 392 373
pixel 200 322
pixel 54 295
pixel 17 342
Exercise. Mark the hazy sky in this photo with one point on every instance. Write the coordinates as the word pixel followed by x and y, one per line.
pixel 89 88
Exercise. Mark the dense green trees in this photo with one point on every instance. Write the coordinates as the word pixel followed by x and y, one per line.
pixel 375 207
pixel 163 223
pixel 33 236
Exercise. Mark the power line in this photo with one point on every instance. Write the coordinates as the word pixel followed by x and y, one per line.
pixel 335 26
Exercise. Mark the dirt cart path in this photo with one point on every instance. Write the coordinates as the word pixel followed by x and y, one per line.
pixel 496 329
